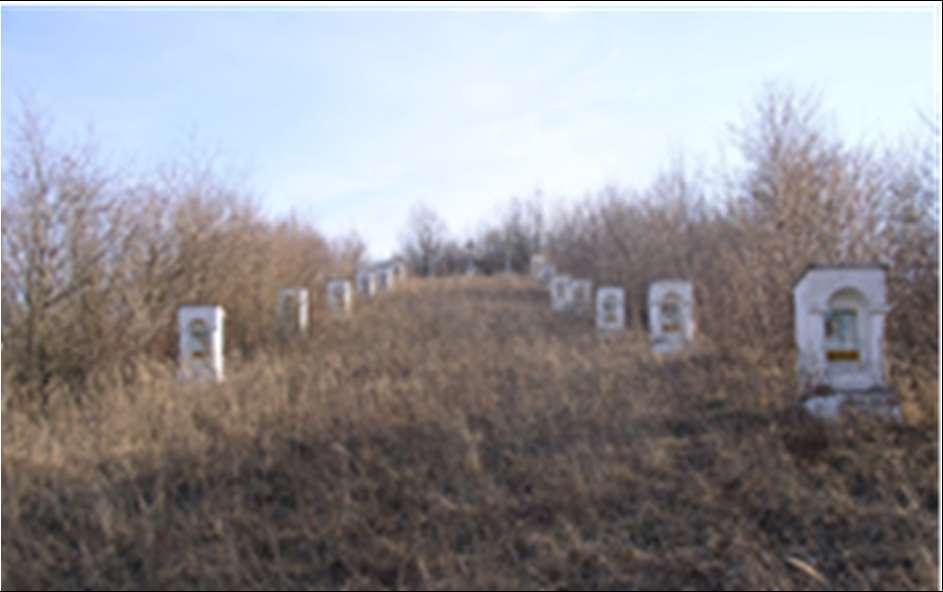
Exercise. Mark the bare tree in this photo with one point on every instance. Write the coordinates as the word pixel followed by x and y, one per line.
pixel 63 225
pixel 423 243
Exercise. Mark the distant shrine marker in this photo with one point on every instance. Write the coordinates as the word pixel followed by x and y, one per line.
pixel 610 309
pixel 339 297
pixel 560 293
pixel 201 343
pixel 670 315
pixel 366 283
pixel 581 297
pixel 292 312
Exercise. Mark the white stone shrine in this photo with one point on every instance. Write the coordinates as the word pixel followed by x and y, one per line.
pixel 340 297
pixel 546 273
pixel 670 315
pixel 385 278
pixel 399 271
pixel 292 311
pixel 610 309
pixel 366 283
pixel 581 297
pixel 839 320
pixel 201 343
pixel 560 293
pixel 541 269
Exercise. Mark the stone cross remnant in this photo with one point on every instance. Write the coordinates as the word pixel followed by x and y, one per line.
pixel 610 309
pixel 339 296
pixel 201 343
pixel 292 312
pixel 560 293
pixel 670 315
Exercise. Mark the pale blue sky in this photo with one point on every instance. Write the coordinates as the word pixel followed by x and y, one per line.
pixel 348 117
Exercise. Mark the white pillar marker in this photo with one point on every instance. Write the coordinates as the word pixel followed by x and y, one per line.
pixel 292 312
pixel 339 297
pixel 670 315
pixel 839 322
pixel 581 297
pixel 366 283
pixel 541 269
pixel 201 343
pixel 610 309
pixel 400 272
pixel 560 293
pixel 383 276
pixel 391 275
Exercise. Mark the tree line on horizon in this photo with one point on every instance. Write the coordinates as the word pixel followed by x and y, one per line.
pixel 96 260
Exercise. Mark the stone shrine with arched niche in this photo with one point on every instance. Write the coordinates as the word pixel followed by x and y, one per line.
pixel 839 322
pixel 292 311
pixel 339 296
pixel 670 315
pixel 201 343
pixel 560 293
pixel 366 283
pixel 581 297
pixel 610 309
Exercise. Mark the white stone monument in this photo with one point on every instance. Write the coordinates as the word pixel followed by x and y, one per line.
pixel 541 269
pixel 560 292
pixel 340 297
pixel 400 273
pixel 537 261
pixel 392 276
pixel 670 315
pixel 201 343
pixel 839 319
pixel 366 283
pixel 546 273
pixel 384 279
pixel 292 311
pixel 581 297
pixel 610 309
pixel 839 322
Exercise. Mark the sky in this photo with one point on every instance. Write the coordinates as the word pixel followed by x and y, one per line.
pixel 347 116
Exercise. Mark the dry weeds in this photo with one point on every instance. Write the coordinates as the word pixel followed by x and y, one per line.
pixel 458 435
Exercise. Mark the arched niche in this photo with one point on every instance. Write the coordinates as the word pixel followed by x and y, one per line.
pixel 845 331
pixel 670 314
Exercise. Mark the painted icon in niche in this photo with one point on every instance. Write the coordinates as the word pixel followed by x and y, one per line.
pixel 200 333
pixel 339 293
pixel 670 317
pixel 841 335
pixel 609 306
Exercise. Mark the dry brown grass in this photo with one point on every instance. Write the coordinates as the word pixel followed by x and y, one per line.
pixel 457 435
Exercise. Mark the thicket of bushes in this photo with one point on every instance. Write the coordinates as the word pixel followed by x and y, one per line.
pixel 799 194
pixel 97 260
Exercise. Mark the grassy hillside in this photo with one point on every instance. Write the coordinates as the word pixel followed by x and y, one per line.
pixel 457 435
